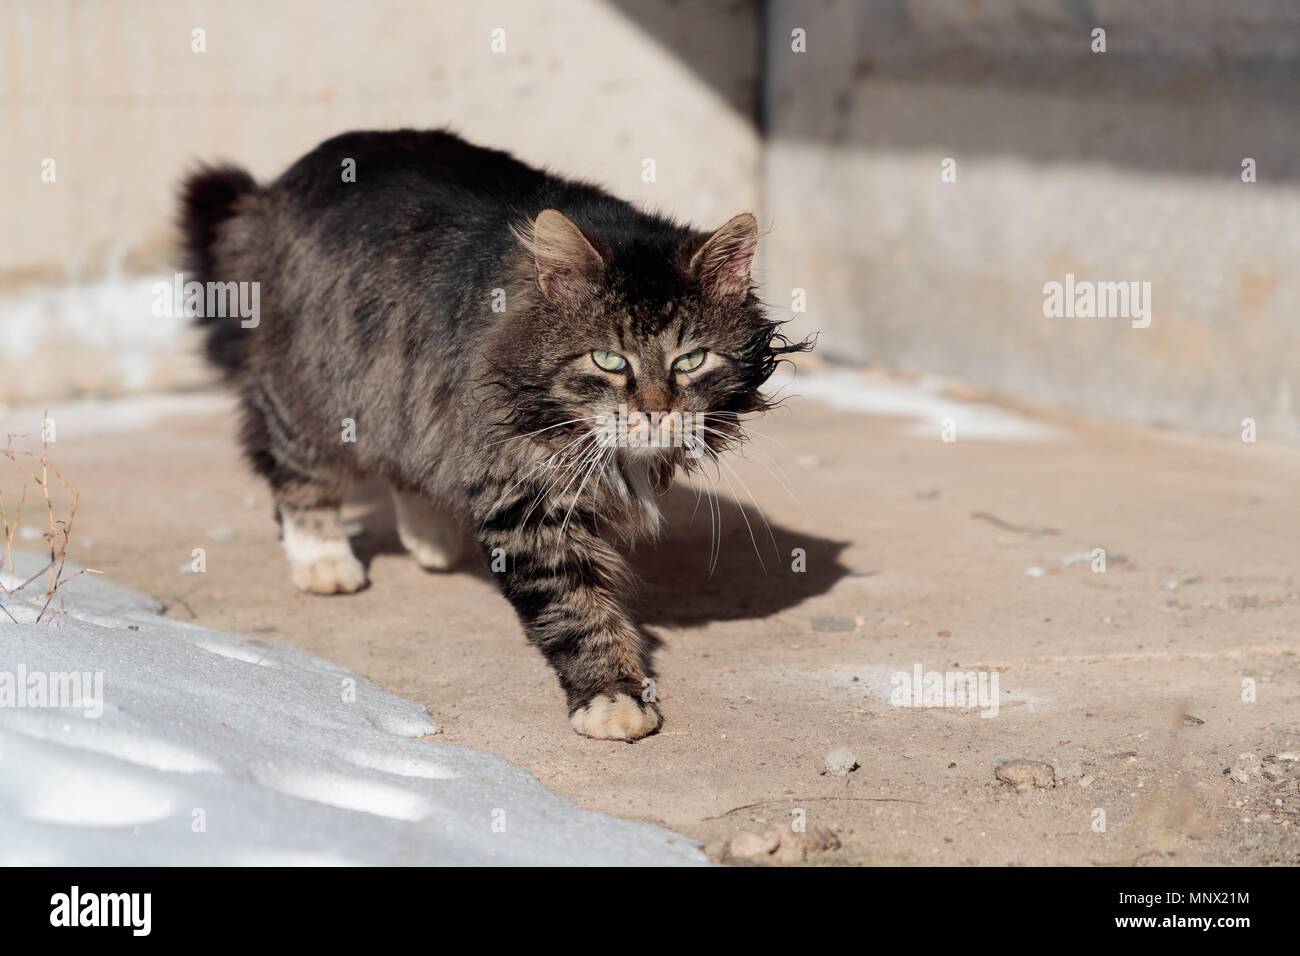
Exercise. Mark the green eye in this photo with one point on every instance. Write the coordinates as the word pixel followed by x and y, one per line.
pixel 689 362
pixel 609 361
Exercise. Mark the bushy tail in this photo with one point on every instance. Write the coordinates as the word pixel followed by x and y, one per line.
pixel 208 199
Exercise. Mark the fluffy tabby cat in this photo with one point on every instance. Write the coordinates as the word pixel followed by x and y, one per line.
pixel 474 317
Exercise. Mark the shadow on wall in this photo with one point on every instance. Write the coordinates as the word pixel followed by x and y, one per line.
pixel 1193 82
pixel 716 56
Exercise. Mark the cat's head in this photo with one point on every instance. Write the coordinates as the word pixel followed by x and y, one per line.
pixel 651 320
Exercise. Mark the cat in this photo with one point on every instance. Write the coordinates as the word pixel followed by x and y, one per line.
pixel 466 326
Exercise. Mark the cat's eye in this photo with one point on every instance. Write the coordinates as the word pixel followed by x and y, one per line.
pixel 689 362
pixel 609 361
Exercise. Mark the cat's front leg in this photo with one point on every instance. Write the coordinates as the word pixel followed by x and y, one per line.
pixel 432 537
pixel 570 588
pixel 318 550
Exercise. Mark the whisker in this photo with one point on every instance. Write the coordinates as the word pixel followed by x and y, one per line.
pixel 715 508
pixel 577 495
pixel 750 430
pixel 571 421
pixel 757 507
pixel 741 509
pixel 546 463
pixel 781 478
pixel 573 466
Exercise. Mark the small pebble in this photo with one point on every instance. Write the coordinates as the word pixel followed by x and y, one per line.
pixel 1026 775
pixel 834 625
pixel 753 846
pixel 1245 767
pixel 841 763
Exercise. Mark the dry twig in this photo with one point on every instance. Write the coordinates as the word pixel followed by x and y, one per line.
pixel 37 470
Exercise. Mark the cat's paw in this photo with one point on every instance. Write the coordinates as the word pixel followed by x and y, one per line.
pixel 432 538
pixel 341 574
pixel 616 717
pixel 431 557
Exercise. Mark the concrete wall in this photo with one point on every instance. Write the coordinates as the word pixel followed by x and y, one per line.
pixel 114 93
pixel 1118 166
pixel 1124 165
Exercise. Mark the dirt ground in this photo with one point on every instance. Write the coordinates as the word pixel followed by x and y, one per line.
pixel 970 555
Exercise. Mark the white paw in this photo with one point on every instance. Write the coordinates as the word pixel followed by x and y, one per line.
pixel 330 575
pixel 432 538
pixel 319 553
pixel 429 557
pixel 617 718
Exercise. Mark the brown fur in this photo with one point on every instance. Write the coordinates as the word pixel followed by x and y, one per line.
pixel 377 307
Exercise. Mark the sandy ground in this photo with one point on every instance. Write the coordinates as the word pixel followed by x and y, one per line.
pixel 952 556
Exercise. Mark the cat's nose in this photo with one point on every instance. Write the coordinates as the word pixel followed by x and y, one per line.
pixel 654 402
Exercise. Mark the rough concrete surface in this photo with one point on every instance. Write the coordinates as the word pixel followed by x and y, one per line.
pixel 1127 684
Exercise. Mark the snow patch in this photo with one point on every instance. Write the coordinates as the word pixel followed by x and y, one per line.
pixel 923 401
pixel 83 418
pixel 215 749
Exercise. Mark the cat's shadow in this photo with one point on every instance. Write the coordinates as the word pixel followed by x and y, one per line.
pixel 692 574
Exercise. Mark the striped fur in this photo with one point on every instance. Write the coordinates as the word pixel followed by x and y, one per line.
pixel 433 322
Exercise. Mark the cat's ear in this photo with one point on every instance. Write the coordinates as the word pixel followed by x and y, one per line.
pixel 722 264
pixel 566 261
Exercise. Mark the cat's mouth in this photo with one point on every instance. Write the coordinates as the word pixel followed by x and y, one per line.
pixel 649 447
pixel 649 469
pixel 649 456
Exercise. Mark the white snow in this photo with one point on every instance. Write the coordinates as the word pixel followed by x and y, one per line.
pixel 115 315
pixel 923 401
pixel 211 748
pixel 81 418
